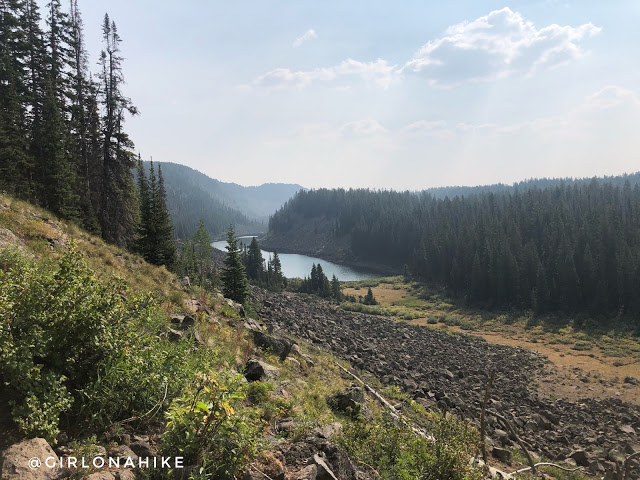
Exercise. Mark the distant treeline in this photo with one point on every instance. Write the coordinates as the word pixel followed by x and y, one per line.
pixel 569 246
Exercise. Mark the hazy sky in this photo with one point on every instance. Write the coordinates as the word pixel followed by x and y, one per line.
pixel 390 94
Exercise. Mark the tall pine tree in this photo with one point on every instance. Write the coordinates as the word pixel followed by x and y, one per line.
pixel 118 214
pixel 234 280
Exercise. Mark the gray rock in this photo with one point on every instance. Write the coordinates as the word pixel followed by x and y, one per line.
pixel 123 451
pixel 126 474
pixel 308 359
pixel 310 472
pixel 447 374
pixel 501 454
pixel 255 370
pixel 279 346
pixel 349 401
pixel 174 335
pixel 16 461
pixel 101 476
pixel 324 472
pixel 581 458
pixel 294 363
pixel 188 322
pixel 328 431
pixel 142 448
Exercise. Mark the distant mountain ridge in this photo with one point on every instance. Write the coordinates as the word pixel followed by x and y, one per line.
pixel 192 195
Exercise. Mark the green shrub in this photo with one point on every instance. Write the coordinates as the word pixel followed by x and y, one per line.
pixel 396 453
pixel 141 379
pixel 57 324
pixel 582 345
pixel 208 428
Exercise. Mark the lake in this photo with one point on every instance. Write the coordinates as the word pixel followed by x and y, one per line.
pixel 294 265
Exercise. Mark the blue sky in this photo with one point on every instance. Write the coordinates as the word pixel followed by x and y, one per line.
pixel 403 95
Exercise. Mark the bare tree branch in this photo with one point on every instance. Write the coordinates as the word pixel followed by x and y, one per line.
pixel 483 446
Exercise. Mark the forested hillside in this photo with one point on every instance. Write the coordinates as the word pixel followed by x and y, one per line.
pixel 188 203
pixel 570 247
pixel 452 191
pixel 192 196
pixel 63 144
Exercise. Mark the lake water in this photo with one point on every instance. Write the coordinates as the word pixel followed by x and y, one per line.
pixel 294 265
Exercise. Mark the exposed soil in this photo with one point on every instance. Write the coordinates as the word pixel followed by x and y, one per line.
pixel 564 377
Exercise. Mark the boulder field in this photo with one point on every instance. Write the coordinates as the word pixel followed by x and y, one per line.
pixel 450 371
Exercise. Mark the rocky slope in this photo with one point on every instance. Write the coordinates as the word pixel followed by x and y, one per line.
pixel 451 371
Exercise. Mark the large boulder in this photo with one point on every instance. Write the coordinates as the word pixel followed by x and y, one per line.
pixel 255 370
pixel 28 460
pixel 279 346
pixel 330 460
pixel 581 457
pixel 349 402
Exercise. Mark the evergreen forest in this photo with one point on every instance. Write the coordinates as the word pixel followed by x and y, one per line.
pixel 569 246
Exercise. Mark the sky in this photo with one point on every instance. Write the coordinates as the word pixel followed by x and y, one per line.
pixel 381 94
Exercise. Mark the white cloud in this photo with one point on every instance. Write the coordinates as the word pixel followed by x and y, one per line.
pixel 379 73
pixel 308 35
pixel 363 128
pixel 421 128
pixel 495 46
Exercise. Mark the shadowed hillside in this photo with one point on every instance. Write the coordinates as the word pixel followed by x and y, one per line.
pixel 192 196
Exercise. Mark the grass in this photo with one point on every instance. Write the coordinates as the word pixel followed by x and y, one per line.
pixel 38 230
pixel 420 304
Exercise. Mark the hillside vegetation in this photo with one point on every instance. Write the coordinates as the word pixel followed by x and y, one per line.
pixel 96 352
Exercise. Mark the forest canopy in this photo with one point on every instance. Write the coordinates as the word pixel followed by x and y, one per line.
pixel 566 246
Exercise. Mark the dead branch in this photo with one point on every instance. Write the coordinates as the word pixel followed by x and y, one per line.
pixel 507 424
pixel 627 465
pixel 547 464
pixel 485 457
pixel 392 411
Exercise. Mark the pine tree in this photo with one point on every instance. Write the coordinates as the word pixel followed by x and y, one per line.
pixel 56 172
pixel 164 244
pixel 203 249
pixel 313 279
pixel 278 280
pixel 15 161
pixel 145 235
pixel 234 280
pixel 369 299
pixel 118 212
pixel 255 262
pixel 335 288
pixel 82 107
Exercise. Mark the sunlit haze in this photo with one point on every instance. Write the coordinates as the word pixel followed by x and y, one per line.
pixel 403 95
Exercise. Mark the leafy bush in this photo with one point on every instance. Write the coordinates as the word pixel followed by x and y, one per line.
pixel 208 427
pixel 397 453
pixel 56 326
pixel 143 378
